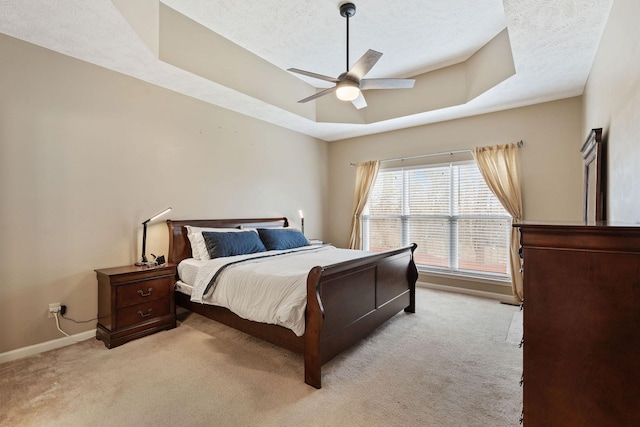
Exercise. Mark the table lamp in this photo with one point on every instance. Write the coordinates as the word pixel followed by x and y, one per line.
pixel 143 260
pixel 301 220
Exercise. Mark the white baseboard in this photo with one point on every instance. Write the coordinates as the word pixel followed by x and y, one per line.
pixel 509 299
pixel 31 350
pixel 65 341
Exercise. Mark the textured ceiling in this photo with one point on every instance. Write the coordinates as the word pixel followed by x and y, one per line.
pixel 553 45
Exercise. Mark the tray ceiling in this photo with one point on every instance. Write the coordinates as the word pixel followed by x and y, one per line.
pixel 235 54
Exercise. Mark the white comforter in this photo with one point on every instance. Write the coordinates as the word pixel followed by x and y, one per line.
pixel 268 290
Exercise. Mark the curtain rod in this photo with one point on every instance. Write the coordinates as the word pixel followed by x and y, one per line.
pixel 450 153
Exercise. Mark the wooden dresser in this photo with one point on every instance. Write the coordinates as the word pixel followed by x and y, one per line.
pixel 581 325
pixel 134 302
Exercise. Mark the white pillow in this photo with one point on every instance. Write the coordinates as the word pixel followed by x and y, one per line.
pixel 198 245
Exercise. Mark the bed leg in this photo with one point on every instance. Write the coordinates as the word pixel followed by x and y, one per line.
pixel 312 373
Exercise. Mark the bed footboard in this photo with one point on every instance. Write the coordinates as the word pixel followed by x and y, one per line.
pixel 347 301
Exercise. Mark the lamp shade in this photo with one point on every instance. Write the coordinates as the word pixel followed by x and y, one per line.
pixel 156 216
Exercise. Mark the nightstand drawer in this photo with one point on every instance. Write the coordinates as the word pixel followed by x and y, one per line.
pixel 143 291
pixel 142 312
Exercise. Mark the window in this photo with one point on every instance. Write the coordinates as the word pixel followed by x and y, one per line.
pixel 448 210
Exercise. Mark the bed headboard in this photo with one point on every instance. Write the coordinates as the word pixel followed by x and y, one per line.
pixel 179 246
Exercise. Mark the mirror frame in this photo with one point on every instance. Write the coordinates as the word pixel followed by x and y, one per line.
pixel 594 178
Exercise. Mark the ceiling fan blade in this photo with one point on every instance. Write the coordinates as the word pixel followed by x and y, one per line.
pixel 319 94
pixel 364 64
pixel 314 75
pixel 386 84
pixel 359 102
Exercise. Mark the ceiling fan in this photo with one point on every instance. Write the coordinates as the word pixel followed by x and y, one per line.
pixel 350 84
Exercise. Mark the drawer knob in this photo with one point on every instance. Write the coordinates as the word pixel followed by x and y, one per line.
pixel 141 314
pixel 142 294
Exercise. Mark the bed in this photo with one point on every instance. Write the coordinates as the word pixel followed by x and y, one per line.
pixel 345 301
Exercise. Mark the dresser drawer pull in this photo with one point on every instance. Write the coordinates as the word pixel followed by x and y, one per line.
pixel 142 294
pixel 141 314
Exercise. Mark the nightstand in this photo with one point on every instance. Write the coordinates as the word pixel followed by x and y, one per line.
pixel 134 301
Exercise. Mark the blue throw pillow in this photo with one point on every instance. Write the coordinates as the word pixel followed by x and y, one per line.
pixel 221 244
pixel 282 238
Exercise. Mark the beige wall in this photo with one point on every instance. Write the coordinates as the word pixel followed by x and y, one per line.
pixel 612 102
pixel 550 163
pixel 87 154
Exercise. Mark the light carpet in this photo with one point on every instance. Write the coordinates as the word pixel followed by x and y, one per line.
pixel 455 362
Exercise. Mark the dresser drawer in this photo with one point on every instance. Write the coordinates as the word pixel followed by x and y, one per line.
pixel 142 312
pixel 143 291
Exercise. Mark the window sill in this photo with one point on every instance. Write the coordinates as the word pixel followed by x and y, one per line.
pixel 466 277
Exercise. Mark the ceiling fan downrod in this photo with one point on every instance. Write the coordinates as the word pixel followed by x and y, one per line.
pixel 347 10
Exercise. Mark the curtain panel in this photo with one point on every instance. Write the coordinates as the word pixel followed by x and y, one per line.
pixel 499 167
pixel 366 174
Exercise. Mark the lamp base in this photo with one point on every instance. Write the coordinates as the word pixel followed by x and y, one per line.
pixel 157 261
pixel 145 264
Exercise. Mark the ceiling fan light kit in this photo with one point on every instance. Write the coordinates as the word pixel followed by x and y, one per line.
pixel 348 85
pixel 347 90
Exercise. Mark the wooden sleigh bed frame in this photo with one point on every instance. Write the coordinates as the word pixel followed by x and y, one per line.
pixel 345 301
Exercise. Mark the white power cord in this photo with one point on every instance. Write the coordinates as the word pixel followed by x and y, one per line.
pixel 63 332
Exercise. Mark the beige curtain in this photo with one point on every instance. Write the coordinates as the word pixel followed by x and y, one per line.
pixel 499 167
pixel 366 174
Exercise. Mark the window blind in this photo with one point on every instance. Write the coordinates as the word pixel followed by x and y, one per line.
pixel 448 211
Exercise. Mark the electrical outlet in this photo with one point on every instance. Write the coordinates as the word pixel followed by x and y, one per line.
pixel 54 308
